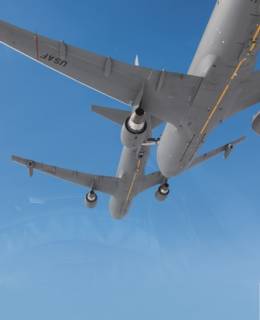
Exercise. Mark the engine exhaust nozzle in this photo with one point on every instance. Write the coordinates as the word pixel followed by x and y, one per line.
pixel 136 123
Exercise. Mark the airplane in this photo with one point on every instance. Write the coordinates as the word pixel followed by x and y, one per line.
pixel 220 82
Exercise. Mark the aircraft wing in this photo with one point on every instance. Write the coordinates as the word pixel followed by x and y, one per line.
pixel 148 181
pixel 245 94
pixel 250 90
pixel 225 149
pixel 104 184
pixel 167 95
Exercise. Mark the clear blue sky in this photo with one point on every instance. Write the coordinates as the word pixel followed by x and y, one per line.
pixel 196 256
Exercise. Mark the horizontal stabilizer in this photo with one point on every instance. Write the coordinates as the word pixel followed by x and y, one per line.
pixel 105 184
pixel 225 149
pixel 115 115
pixel 119 116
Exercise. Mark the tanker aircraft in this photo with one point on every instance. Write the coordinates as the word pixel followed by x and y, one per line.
pixel 220 82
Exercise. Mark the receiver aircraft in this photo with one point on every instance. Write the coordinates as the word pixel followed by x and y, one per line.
pixel 220 82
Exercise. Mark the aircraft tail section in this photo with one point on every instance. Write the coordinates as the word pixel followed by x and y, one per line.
pixel 119 116
pixel 115 115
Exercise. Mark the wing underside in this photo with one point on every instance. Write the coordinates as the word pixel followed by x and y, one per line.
pixel 225 149
pixel 148 181
pixel 167 95
pixel 104 184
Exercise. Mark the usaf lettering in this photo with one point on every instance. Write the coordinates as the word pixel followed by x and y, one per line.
pixel 55 60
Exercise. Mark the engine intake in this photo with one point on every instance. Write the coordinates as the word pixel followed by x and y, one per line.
pixel 91 199
pixel 162 192
pixel 134 129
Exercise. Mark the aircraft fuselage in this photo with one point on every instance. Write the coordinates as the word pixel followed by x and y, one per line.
pixel 219 60
pixel 131 168
pixel 221 81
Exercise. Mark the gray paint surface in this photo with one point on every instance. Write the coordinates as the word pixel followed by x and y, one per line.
pixel 220 82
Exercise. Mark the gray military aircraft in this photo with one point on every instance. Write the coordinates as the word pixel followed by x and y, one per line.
pixel 221 81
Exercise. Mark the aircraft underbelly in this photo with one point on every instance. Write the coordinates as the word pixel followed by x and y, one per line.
pixel 130 168
pixel 171 151
pixel 225 36
pixel 117 208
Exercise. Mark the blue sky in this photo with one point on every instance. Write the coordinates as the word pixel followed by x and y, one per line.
pixel 196 256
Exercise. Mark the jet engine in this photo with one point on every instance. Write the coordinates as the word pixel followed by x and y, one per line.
pixel 162 192
pixel 256 123
pixel 228 149
pixel 134 129
pixel 91 199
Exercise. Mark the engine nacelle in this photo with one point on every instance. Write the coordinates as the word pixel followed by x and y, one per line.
pixel 134 129
pixel 162 192
pixel 228 150
pixel 91 199
pixel 256 123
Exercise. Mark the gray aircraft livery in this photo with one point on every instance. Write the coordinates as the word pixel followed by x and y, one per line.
pixel 220 82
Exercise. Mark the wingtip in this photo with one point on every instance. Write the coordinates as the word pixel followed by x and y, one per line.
pixel 94 107
pixel 14 158
pixel 242 139
pixel 20 160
